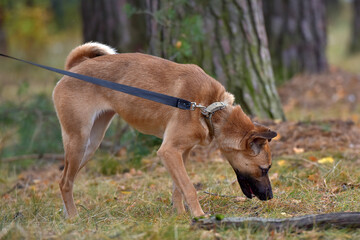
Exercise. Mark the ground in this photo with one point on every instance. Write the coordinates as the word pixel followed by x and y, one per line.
pixel 315 170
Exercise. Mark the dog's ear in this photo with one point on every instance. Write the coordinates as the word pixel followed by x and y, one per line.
pixel 265 131
pixel 258 139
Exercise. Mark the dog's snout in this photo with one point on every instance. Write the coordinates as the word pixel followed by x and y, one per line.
pixel 266 194
pixel 269 193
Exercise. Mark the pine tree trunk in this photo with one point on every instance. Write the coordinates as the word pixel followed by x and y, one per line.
pixel 355 38
pixel 297 36
pixel 227 39
pixel 107 22
pixel 3 43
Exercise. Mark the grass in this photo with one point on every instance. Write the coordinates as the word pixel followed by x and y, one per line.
pixel 137 204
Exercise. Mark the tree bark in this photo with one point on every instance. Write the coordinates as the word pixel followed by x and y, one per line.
pixel 355 37
pixel 3 42
pixel 107 22
pixel 336 220
pixel 227 39
pixel 297 36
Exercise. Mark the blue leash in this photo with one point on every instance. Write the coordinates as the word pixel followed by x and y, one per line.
pixel 149 95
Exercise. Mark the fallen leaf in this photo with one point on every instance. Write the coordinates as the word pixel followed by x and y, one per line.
pixel 277 138
pixel 240 199
pixel 326 160
pixel 222 177
pixel 313 158
pixel 274 176
pixel 36 181
pixel 125 192
pixel 298 150
pixel 355 118
pixel 282 162
pixel 133 171
pixel 146 161
pixel 313 177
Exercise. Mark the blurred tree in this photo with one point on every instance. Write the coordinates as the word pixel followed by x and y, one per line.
pixel 297 36
pixel 26 25
pixel 107 22
pixel 332 7
pixel 355 37
pixel 3 44
pixel 227 39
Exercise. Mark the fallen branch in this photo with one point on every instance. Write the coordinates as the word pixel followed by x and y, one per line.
pixel 337 220
pixel 49 156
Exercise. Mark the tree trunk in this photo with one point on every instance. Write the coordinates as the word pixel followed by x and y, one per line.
pixel 297 36
pixel 227 39
pixel 107 22
pixel 355 38
pixel 3 43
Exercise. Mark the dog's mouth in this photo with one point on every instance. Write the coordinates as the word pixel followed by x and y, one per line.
pixel 251 187
pixel 246 189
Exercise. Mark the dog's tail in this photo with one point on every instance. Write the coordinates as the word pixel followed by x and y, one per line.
pixel 86 51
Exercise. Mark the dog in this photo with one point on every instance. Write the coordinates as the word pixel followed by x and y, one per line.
pixel 85 111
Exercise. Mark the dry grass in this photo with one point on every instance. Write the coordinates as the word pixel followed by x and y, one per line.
pixel 137 205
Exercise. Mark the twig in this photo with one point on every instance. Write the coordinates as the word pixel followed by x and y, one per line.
pixel 50 156
pixel 219 195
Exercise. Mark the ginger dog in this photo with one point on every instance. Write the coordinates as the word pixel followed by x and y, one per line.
pixel 85 111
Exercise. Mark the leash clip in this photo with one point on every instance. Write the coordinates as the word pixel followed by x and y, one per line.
pixel 195 105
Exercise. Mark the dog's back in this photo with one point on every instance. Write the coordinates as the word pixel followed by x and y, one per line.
pixel 143 71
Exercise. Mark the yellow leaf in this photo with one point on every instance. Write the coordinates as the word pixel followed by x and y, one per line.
pixel 326 160
pixel 125 192
pixel 282 163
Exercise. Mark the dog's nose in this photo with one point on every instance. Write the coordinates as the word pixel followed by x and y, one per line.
pixel 269 194
pixel 266 195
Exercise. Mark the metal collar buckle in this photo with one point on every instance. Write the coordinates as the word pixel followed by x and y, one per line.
pixel 212 108
pixel 209 110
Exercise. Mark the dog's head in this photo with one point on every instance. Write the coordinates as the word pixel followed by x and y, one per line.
pixel 245 145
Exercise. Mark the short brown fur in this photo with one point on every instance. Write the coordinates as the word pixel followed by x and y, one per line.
pixel 86 110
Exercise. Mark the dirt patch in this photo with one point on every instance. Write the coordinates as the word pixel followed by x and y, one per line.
pixel 321 91
pixel 314 136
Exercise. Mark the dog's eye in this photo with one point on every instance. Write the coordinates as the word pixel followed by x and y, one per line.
pixel 264 171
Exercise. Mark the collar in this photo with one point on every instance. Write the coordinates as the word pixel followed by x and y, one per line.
pixel 208 111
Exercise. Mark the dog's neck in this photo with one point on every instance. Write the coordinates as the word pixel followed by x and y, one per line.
pixel 231 122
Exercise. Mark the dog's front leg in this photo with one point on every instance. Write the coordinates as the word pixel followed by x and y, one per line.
pixel 177 196
pixel 173 161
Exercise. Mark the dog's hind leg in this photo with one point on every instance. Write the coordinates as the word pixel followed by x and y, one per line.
pixel 82 134
pixel 97 133
pixel 75 147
